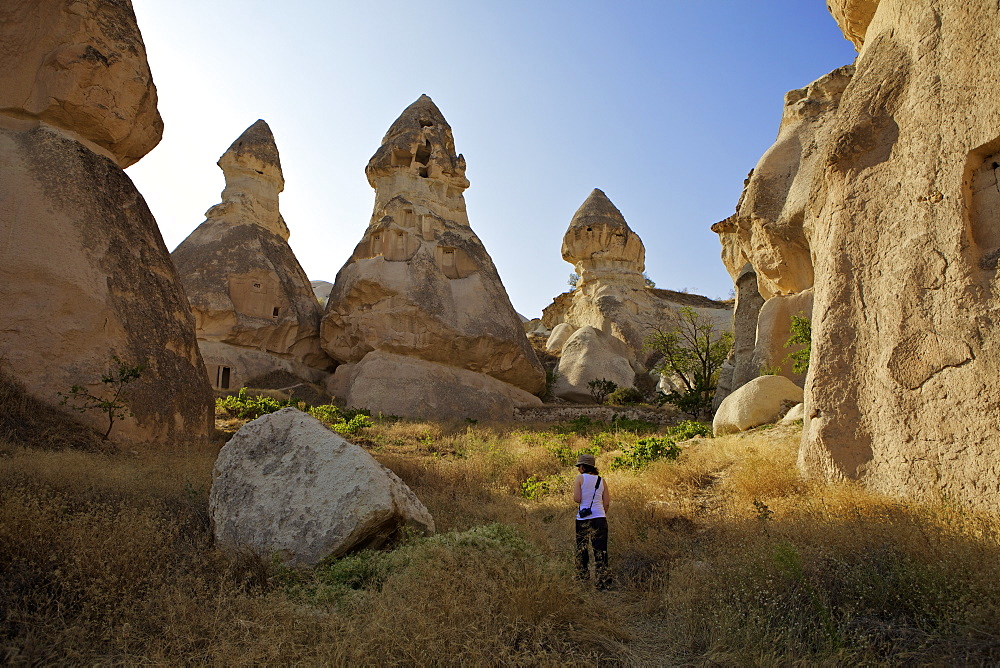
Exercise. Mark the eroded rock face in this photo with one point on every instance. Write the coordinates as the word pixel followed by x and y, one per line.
pixel 254 307
pixel 81 67
pixel 853 17
pixel 420 283
pixel 590 354
pixel 770 219
pixel 84 273
pixel 286 485
pixel 905 369
pixel 612 298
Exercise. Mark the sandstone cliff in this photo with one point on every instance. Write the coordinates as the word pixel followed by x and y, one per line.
pixel 256 315
pixel 84 273
pixel 905 378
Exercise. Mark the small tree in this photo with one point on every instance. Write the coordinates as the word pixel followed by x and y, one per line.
pixel 116 407
pixel 574 278
pixel 693 351
pixel 801 329
pixel 601 388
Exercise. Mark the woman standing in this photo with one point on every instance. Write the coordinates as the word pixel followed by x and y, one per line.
pixel 590 491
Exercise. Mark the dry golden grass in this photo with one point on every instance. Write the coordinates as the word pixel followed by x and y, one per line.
pixel 107 558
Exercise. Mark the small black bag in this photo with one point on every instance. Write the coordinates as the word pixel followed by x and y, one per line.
pixel 587 512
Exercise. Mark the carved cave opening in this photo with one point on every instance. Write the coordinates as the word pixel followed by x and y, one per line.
pixel 424 153
pixel 401 158
pixel 982 185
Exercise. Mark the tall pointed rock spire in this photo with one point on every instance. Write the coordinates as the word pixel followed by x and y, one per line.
pixel 253 181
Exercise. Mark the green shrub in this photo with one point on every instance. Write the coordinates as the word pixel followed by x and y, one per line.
pixel 327 413
pixel 600 388
pixel 354 425
pixel 242 405
pixel 115 406
pixel 689 429
pixel 566 455
pixel 625 396
pixel 801 329
pixel 644 452
pixel 535 487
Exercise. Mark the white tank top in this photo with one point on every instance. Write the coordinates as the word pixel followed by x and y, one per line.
pixel 588 492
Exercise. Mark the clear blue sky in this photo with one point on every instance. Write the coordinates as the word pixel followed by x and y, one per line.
pixel 665 105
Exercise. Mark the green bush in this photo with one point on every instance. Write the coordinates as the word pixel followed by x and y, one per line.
pixel 650 449
pixel 600 388
pixel 645 451
pixel 625 396
pixel 354 425
pixel 244 406
pixel 801 329
pixel 689 429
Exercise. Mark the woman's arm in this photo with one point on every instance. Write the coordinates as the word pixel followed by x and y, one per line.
pixel 578 488
pixel 605 496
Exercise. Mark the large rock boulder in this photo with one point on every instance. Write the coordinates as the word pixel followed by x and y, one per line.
pixel 905 365
pixel 84 273
pixel 761 401
pixel 420 283
pixel 287 485
pixel 409 387
pixel 589 354
pixel 255 309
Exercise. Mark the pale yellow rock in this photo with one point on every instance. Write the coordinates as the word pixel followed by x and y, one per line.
pixel 774 324
pixel 770 217
pixel 853 17
pixel 558 337
pixel 587 355
pixel 409 387
pixel 761 401
pixel 84 273
pixel 256 315
pixel 81 67
pixel 420 283
pixel 905 365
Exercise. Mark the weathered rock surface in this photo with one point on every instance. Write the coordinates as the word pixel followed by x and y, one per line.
pixel 761 401
pixel 612 297
pixel 905 367
pixel 420 283
pixel 590 354
pixel 287 485
pixel 765 243
pixel 84 273
pixel 796 412
pixel 254 307
pixel 770 219
pixel 774 325
pixel 80 67
pixel 409 387
pixel 853 17
pixel 558 337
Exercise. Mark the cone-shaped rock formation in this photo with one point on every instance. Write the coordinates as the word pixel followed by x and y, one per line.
pixel 612 311
pixel 420 284
pixel 84 273
pixel 256 315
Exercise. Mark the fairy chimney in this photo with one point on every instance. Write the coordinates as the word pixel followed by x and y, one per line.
pixel 420 284
pixel 256 315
